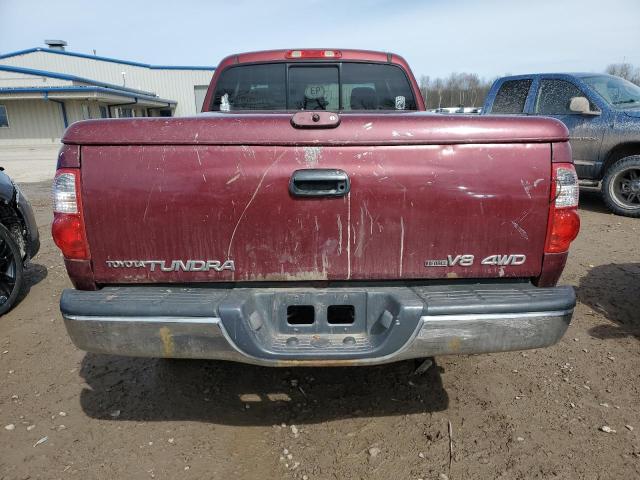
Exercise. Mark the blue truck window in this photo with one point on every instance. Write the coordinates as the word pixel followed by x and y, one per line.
pixel 554 97
pixel 615 91
pixel 511 96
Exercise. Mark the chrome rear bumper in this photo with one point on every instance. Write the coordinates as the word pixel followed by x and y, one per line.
pixel 425 322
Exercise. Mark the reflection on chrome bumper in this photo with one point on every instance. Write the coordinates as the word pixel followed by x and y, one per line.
pixel 207 338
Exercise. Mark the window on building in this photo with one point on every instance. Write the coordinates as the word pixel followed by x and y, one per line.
pixel 199 92
pixel 511 96
pixel 86 111
pixel 4 119
pixel 125 112
pixel 165 112
pixel 554 97
pixel 104 111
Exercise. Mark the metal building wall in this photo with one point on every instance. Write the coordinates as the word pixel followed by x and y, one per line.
pixel 15 80
pixel 167 83
pixel 32 122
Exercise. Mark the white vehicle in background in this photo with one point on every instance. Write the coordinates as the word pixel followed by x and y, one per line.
pixel 460 109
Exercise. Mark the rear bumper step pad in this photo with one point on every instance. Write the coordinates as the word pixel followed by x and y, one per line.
pixel 250 324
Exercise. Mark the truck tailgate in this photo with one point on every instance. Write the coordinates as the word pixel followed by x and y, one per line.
pixel 419 207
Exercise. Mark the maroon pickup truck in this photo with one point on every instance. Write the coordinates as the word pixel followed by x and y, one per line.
pixel 315 215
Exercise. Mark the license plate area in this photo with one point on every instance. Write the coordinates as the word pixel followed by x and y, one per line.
pixel 324 312
pixel 321 324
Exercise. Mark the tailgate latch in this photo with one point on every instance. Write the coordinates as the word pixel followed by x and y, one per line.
pixel 315 119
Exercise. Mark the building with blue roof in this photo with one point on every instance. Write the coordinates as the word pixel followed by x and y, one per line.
pixel 44 90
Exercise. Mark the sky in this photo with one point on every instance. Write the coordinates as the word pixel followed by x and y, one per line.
pixel 437 37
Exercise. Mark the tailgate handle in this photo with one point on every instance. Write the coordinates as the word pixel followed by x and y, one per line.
pixel 319 183
pixel 315 119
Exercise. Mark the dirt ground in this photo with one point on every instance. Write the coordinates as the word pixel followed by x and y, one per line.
pixel 534 414
pixel 33 163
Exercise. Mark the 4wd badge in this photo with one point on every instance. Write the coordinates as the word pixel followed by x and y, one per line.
pixel 467 260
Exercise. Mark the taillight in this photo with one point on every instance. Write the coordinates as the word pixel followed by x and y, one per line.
pixel 564 222
pixel 313 54
pixel 67 228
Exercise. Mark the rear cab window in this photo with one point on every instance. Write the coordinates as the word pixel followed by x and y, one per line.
pixel 512 97
pixel 342 86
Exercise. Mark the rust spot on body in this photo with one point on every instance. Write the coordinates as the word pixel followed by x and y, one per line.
pixel 284 276
pixel 168 346
pixel 454 344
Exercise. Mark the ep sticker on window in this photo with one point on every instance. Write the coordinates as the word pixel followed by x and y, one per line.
pixel 400 102
pixel 314 92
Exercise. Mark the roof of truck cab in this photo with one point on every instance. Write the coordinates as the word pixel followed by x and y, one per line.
pixel 554 74
pixel 346 54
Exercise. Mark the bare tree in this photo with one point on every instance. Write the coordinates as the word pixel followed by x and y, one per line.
pixel 457 89
pixel 438 86
pixel 424 86
pixel 624 70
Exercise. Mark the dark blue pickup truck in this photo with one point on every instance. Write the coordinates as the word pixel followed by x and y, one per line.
pixel 602 113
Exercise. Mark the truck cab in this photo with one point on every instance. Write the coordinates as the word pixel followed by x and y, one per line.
pixel 602 113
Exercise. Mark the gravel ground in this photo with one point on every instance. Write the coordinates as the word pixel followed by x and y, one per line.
pixel 35 163
pixel 536 414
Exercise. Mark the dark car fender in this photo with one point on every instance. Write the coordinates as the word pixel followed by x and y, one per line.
pixel 13 198
pixel 623 139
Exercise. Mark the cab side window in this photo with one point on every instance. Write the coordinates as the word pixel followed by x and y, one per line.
pixel 511 97
pixel 554 97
